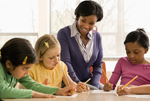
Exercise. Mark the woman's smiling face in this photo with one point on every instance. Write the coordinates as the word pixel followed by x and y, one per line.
pixel 86 24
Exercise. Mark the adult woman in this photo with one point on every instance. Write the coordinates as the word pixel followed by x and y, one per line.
pixel 81 45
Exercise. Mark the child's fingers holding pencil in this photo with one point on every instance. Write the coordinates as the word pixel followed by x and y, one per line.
pixel 119 87
pixel 108 87
pixel 82 87
pixel 128 83
pixel 124 91
pixel 66 90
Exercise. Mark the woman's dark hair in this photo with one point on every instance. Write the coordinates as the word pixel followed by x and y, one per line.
pixel 138 36
pixel 87 8
pixel 16 50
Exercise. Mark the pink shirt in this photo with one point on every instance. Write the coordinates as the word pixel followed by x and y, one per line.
pixel 127 71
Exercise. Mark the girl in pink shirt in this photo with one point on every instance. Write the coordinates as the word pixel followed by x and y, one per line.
pixel 136 45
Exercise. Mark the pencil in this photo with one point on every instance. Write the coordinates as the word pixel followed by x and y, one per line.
pixel 87 80
pixel 105 75
pixel 67 81
pixel 128 83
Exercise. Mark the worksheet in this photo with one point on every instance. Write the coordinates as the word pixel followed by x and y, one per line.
pixel 101 91
pixel 73 96
pixel 138 96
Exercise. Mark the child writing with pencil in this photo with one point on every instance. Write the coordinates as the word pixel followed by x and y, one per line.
pixel 142 89
pixel 136 45
pixel 17 56
pixel 49 70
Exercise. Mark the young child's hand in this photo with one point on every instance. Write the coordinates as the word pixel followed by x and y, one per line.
pixel 124 91
pixel 41 95
pixel 66 91
pixel 82 87
pixel 108 87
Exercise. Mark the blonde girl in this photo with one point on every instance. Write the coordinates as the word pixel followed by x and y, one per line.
pixel 49 69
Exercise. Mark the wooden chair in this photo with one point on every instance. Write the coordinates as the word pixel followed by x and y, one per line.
pixel 103 78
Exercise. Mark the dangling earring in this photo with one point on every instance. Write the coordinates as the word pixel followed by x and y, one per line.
pixel 94 30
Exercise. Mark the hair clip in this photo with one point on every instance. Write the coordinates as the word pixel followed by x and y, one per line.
pixel 46 44
pixel 25 60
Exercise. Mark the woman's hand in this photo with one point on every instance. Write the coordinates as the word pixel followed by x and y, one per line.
pixel 41 95
pixel 82 87
pixel 108 87
pixel 124 91
pixel 66 91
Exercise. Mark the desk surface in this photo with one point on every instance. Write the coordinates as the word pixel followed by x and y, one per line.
pixel 87 97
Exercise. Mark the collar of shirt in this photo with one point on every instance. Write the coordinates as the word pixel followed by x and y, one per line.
pixel 74 31
pixel 88 50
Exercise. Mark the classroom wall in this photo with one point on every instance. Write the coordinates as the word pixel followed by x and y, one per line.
pixel 43 21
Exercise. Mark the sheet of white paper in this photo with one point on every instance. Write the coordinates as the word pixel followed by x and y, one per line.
pixel 84 92
pixel 101 91
pixel 72 96
pixel 138 96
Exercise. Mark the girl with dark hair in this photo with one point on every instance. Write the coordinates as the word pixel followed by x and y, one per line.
pixel 17 56
pixel 135 64
pixel 81 45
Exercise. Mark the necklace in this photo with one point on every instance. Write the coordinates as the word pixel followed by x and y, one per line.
pixel 84 42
